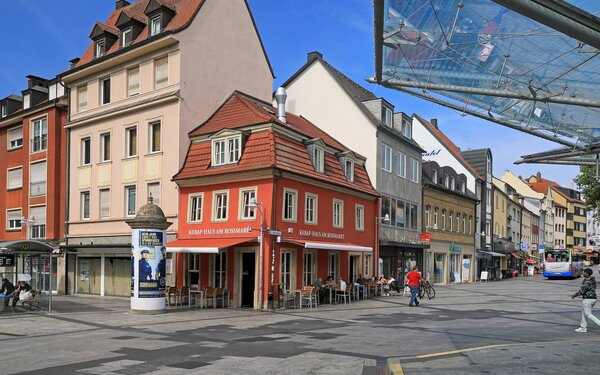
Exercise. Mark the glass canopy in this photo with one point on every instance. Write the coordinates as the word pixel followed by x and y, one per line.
pixel 484 59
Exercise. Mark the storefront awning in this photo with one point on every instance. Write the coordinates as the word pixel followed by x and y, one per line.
pixel 205 245
pixel 493 253
pixel 332 246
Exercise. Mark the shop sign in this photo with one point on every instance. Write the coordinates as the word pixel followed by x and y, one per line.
pixel 208 231
pixel 426 237
pixel 542 248
pixel 316 233
pixel 455 249
pixel 7 260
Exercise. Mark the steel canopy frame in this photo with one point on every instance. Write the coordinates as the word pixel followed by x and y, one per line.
pixel 492 60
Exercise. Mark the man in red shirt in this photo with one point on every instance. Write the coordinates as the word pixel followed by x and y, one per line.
pixel 413 280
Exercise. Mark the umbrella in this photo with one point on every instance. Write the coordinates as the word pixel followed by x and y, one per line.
pixel 530 261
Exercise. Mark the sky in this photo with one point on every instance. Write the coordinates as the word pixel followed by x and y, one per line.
pixel 41 36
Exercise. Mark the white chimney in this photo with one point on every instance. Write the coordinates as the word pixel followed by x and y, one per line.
pixel 280 97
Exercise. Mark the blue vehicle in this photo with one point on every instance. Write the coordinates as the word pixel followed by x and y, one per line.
pixel 562 263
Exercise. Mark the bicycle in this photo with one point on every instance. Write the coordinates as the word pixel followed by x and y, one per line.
pixel 426 288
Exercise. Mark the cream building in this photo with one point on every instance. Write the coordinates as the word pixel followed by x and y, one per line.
pixel 154 71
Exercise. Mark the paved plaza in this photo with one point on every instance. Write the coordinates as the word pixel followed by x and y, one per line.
pixel 523 325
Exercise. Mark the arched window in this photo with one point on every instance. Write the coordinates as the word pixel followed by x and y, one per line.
pixel 470 224
pixel 443 219
pixel 435 218
pixel 464 223
pixel 458 222
pixel 427 212
pixel 451 221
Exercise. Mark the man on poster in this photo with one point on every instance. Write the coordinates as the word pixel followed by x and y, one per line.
pixel 145 270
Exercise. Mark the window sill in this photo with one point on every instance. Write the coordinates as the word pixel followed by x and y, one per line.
pixel 15 188
pixel 85 166
pixel 132 157
pixel 14 229
pixel 104 162
pixel 14 148
pixel 155 153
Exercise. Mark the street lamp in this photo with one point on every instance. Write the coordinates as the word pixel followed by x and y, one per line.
pixel 252 204
pixel 28 221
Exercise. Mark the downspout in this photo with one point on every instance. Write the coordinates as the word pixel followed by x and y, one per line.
pixel 273 243
pixel 67 182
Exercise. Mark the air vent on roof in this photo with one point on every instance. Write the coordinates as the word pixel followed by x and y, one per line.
pixel 280 97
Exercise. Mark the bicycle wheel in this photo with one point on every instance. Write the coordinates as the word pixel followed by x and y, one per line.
pixel 430 292
pixel 421 292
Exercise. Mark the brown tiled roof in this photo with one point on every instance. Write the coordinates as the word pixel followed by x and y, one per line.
pixel 269 148
pixel 453 148
pixel 185 12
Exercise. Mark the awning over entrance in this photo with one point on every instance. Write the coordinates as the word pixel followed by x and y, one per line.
pixel 27 247
pixel 205 245
pixel 332 246
pixel 493 253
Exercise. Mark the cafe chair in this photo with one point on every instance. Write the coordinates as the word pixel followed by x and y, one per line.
pixel 309 295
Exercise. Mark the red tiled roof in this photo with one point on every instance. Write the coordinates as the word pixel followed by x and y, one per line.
pixel 185 12
pixel 542 187
pixel 454 149
pixel 268 148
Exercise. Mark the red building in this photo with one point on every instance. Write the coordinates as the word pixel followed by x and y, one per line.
pixel 33 160
pixel 317 204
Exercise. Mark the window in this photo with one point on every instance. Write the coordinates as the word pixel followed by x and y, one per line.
pixel 308 269
pixel 13 219
pixel 414 170
pixel 497 205
pixel 407 129
pixel 447 181
pixel 26 101
pixel 388 117
pixel 245 211
pixel 318 159
pixel 414 212
pixel 464 223
pixel 310 211
pixel 85 205
pixel 3 110
pixel 161 72
pixel 105 147
pixel 15 178
pixel 37 179
pixel 451 221
pixel 386 157
pixel 39 140
pixel 105 91
pixel 154 191
pixel 155 26
pixel 349 170
pixel 226 150
pixel 130 200
pixel 458 222
pixel 463 187
pixel 427 216
pixel 452 183
pixel 15 138
pixel 401 168
pixel 290 203
pixel 443 219
pixel 399 214
pixel 221 270
pixel 434 176
pixel 85 151
pixel 133 81
pixel 193 262
pixel 360 217
pixel 435 218
pixel 338 213
pixel 220 201
pixel 471 225
pixel 195 208
pixel 82 100
pixel 126 37
pixel 332 267
pixel 154 136
pixel 367 264
pixel 38 227
pixel 286 270
pixel 100 48
pixel 104 203
pixel 131 135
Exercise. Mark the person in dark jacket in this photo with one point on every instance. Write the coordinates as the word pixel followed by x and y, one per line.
pixel 6 289
pixel 588 293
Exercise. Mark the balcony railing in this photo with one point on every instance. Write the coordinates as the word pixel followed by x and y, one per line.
pixel 39 143
pixel 37 188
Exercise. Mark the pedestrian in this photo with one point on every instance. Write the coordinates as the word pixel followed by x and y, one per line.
pixel 413 280
pixel 588 293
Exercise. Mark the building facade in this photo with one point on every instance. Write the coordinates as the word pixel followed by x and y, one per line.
pixel 270 202
pixel 135 94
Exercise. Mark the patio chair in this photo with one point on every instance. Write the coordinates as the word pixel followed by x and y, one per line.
pixel 344 294
pixel 184 293
pixel 373 288
pixel 309 295
pixel 171 292
pixel 287 297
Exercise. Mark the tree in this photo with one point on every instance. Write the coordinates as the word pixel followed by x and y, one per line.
pixel 589 186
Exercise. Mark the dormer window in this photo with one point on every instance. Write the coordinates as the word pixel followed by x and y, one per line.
pixel 349 169
pixel 388 117
pixel 407 129
pixel 452 183
pixel 100 48
pixel 434 176
pixel 3 110
pixel 318 159
pixel 447 181
pixel 226 150
pixel 463 188
pixel 155 25
pixel 126 37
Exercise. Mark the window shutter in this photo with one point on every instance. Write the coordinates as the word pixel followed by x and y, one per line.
pixel 38 172
pixel 14 215
pixel 15 134
pixel 104 203
pixel 15 178
pixel 162 69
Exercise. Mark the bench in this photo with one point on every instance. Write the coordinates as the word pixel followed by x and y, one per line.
pixel 33 303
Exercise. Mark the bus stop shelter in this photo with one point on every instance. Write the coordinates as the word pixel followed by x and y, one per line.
pixel 30 261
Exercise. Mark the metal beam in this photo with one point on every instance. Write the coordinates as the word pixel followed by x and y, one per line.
pixel 560 16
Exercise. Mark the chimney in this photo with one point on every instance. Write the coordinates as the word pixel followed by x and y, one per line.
pixel 434 123
pixel 74 62
pixel 280 97
pixel 120 4
pixel 539 176
pixel 313 55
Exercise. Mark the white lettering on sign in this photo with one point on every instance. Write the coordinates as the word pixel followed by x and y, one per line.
pixel 205 231
pixel 314 233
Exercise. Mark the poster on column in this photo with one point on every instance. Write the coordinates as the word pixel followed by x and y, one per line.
pixel 149 255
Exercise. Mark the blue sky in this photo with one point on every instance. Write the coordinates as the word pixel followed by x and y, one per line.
pixel 43 35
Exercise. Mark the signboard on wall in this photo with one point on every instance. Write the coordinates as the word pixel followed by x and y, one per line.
pixel 7 260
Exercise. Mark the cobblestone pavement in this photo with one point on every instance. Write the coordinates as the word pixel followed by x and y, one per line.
pixel 507 327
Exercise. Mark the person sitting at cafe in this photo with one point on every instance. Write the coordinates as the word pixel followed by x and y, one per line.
pixel 321 291
pixel 330 283
pixel 23 289
pixel 384 285
pixel 6 289
pixel 341 289
pixel 393 284
pixel 361 280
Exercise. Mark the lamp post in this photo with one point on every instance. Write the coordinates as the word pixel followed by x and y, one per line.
pixel 378 220
pixel 254 205
pixel 27 221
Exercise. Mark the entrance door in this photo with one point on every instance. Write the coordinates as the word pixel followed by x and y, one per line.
pixel 248 279
pixel 88 275
pixel 355 268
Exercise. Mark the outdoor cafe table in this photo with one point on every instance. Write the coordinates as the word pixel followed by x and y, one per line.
pixel 362 289
pixel 197 293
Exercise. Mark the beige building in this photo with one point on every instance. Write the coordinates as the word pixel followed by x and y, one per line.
pixel 154 71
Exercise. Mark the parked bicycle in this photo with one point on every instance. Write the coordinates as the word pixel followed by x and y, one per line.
pixel 425 288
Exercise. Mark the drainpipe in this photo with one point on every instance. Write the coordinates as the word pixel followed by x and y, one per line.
pixel 67 182
pixel 273 243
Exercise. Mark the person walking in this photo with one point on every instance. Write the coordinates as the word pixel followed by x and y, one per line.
pixel 588 293
pixel 413 280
